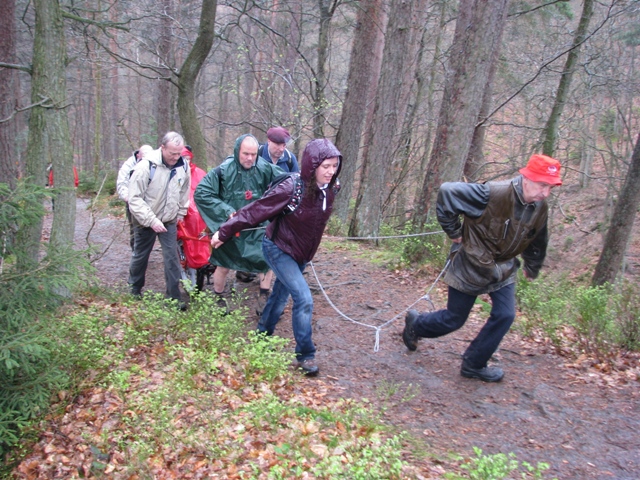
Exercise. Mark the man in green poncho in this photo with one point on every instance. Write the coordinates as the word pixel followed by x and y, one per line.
pixel 238 181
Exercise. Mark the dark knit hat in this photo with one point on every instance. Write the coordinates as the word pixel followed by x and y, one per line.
pixel 278 135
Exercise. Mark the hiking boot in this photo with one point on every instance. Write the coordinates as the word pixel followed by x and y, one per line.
pixel 408 334
pixel 245 277
pixel 486 374
pixel 182 306
pixel 308 367
pixel 262 301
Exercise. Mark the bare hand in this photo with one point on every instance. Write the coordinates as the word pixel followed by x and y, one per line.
pixel 457 240
pixel 215 241
pixel 158 227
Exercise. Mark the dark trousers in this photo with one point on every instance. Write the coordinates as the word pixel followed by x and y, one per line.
pixel 459 305
pixel 145 238
pixel 130 222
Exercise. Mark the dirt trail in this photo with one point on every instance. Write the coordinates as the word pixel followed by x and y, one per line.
pixel 545 410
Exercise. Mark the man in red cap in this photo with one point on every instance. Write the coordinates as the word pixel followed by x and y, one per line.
pixel 501 220
pixel 275 150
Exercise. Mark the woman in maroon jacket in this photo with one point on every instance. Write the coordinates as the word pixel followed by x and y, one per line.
pixel 291 240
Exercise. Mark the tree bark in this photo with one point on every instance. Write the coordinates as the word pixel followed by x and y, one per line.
pixel 550 132
pixel 615 244
pixel 49 137
pixel 475 157
pixel 402 40
pixel 469 66
pixel 369 32
pixel 326 8
pixel 188 76
pixel 164 99
pixel 8 94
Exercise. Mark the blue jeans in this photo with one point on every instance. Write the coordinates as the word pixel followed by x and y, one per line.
pixel 289 281
pixel 145 238
pixel 459 304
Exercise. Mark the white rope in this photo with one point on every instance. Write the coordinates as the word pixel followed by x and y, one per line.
pixel 382 237
pixel 378 329
pixel 406 235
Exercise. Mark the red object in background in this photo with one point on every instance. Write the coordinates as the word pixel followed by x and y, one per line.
pixel 196 250
pixel 75 177
pixel 248 195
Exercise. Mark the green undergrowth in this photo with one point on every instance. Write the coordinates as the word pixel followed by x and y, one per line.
pixel 175 392
pixel 598 321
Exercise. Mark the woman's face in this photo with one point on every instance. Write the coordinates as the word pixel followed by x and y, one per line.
pixel 326 170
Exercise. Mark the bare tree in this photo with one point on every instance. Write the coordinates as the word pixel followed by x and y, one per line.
pixel 469 66
pixel 550 132
pixel 48 126
pixel 369 33
pixel 8 96
pixel 188 75
pixel 402 40
pixel 615 244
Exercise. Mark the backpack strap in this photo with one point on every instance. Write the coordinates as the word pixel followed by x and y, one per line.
pixel 152 170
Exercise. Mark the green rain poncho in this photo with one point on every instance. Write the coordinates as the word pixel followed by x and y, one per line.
pixel 223 191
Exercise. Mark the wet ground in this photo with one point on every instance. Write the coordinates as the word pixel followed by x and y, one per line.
pixel 547 408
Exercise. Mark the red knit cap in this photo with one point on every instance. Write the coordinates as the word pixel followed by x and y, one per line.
pixel 541 168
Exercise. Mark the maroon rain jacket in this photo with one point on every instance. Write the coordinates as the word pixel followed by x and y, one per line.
pixel 299 233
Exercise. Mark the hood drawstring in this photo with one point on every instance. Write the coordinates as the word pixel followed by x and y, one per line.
pixel 323 189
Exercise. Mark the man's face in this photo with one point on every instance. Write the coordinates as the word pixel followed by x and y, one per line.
pixel 171 153
pixel 326 170
pixel 275 149
pixel 535 191
pixel 248 153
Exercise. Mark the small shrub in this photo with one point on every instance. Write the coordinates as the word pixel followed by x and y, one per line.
pixel 498 466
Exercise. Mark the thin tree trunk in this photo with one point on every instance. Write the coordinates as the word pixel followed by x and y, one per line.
pixel 8 94
pixel 164 99
pixel 550 132
pixel 615 244
pixel 188 76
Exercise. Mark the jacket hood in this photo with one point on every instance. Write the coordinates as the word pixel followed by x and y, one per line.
pixel 316 152
pixel 236 148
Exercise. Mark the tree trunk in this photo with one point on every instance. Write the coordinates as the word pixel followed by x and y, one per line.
pixel 469 66
pixel 327 8
pixel 368 34
pixel 49 128
pixel 550 132
pixel 402 40
pixel 187 80
pixel 615 244
pixel 163 102
pixel 475 158
pixel 8 95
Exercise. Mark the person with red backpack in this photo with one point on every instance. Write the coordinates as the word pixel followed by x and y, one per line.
pixel 192 232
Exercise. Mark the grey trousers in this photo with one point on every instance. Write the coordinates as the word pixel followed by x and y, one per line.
pixel 145 238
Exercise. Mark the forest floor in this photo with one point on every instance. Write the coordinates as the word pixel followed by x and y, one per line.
pixel 571 413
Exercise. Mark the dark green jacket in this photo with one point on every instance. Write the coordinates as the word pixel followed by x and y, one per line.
pixel 498 226
pixel 226 189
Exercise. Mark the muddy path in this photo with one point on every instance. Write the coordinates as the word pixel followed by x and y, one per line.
pixel 546 409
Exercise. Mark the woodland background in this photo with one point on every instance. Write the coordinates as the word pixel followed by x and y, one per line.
pixel 413 93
